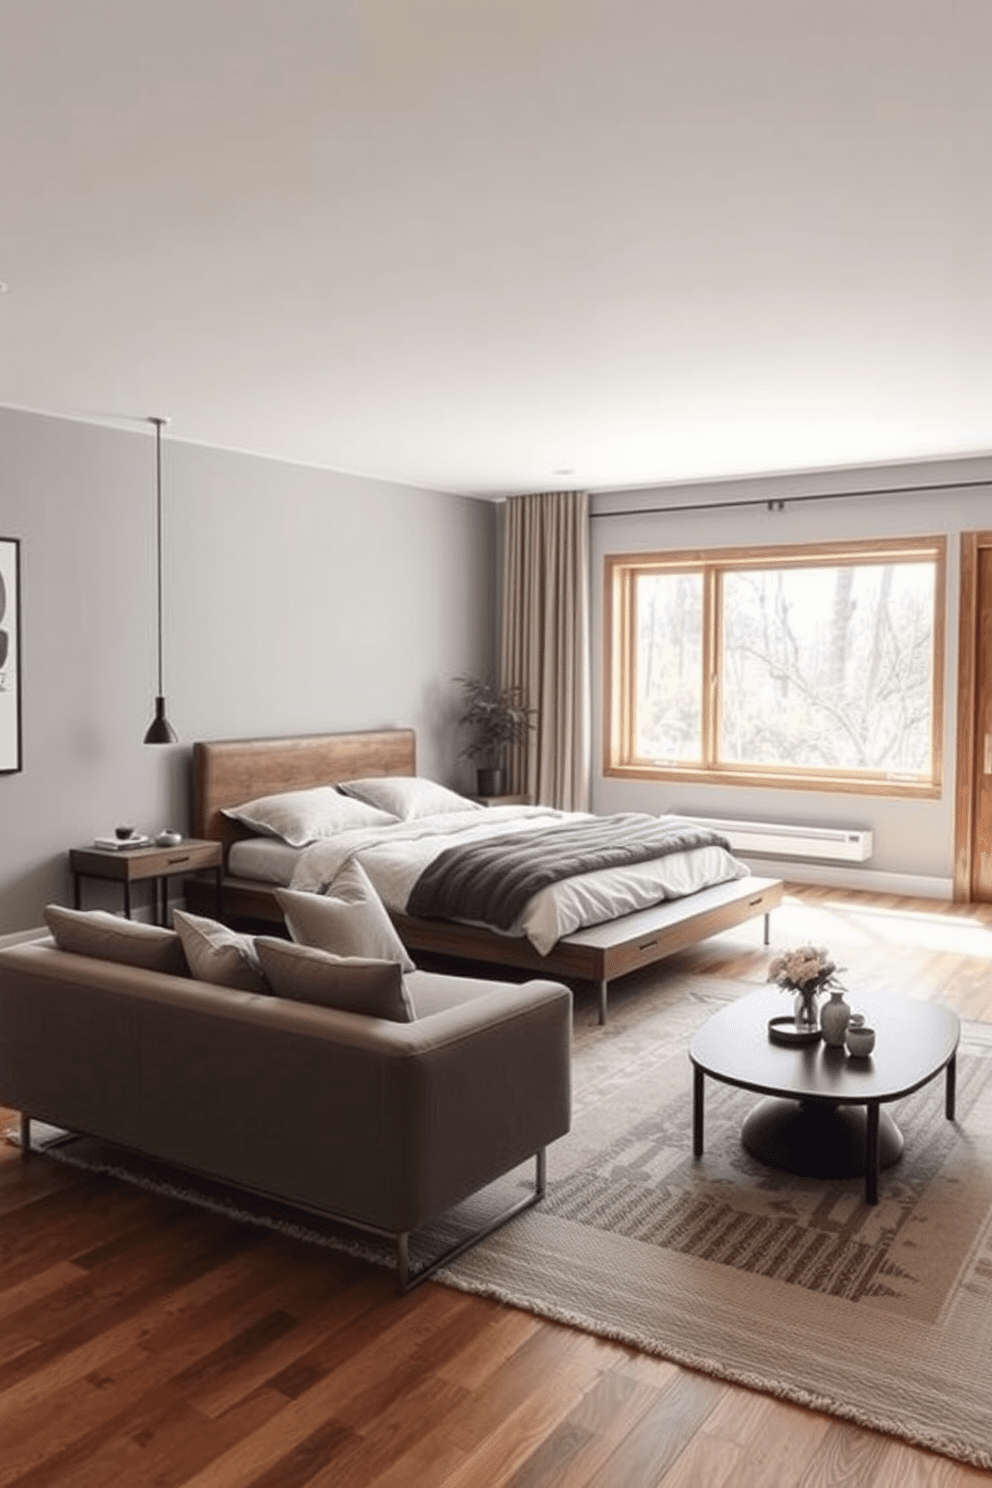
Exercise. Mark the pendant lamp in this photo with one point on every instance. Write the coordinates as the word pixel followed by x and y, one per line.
pixel 160 730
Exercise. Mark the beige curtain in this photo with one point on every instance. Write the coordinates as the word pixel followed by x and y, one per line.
pixel 544 641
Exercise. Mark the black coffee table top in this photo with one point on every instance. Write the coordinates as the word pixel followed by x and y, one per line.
pixel 913 1041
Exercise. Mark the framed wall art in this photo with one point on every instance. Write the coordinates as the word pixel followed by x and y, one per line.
pixel 10 655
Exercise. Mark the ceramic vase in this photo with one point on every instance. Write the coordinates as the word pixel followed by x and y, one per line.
pixel 834 1018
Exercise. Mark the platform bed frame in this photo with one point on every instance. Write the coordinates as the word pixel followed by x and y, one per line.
pixel 227 772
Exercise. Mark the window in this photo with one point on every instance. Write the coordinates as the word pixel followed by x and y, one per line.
pixel 796 666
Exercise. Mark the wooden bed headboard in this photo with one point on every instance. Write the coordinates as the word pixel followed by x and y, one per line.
pixel 227 772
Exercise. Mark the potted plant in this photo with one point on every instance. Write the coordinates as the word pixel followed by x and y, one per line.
pixel 499 719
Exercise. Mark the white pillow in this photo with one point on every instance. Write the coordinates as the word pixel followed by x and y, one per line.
pixel 352 985
pixel 348 919
pixel 219 955
pixel 408 796
pixel 301 817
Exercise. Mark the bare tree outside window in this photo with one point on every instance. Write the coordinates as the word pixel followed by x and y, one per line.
pixel 829 667
pixel 669 664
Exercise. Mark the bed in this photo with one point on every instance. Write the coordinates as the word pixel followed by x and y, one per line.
pixel 228 773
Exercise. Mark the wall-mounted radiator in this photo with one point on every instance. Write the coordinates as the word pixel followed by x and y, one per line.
pixel 787 840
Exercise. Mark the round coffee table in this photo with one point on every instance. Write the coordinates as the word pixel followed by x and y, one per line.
pixel 823 1117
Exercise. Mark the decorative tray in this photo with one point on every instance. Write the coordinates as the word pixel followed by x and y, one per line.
pixel 784 1031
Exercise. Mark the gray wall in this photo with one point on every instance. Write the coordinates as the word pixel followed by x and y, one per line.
pixel 914 840
pixel 296 600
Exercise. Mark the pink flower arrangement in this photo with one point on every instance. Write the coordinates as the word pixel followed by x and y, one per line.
pixel 807 969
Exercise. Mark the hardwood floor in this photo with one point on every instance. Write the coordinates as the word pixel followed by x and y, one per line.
pixel 143 1342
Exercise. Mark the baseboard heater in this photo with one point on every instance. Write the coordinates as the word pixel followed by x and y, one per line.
pixel 788 840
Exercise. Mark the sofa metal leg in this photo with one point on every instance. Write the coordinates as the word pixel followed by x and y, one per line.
pixel 602 999
pixel 408 1279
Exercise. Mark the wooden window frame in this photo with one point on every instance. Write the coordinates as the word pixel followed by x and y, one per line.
pixel 619 671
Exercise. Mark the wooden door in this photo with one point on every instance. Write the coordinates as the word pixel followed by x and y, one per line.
pixel 973 857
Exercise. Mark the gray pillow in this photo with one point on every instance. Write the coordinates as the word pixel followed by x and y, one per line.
pixel 348 919
pixel 305 816
pixel 219 955
pixel 96 932
pixel 349 984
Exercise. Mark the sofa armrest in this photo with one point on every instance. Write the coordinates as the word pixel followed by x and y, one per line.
pixel 486 1085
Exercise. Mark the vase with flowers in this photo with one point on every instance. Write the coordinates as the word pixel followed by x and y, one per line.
pixel 805 971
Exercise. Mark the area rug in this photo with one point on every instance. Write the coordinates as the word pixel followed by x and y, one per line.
pixel 880 1315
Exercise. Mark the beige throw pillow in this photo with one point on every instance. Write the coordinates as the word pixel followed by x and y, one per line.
pixel 349 984
pixel 96 932
pixel 349 919
pixel 219 955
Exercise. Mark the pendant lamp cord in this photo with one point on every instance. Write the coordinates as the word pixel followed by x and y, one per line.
pixel 158 422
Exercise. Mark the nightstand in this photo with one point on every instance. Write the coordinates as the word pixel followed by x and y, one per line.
pixel 128 865
pixel 522 799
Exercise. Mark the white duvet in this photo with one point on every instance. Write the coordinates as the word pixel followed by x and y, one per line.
pixel 395 856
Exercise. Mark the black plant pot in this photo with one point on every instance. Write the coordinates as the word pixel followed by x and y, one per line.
pixel 491 782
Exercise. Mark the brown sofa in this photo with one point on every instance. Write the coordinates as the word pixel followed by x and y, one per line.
pixel 382 1125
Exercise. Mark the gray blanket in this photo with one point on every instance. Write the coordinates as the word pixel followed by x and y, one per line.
pixel 491 881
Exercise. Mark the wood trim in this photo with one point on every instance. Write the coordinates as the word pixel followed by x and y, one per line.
pixel 802 555
pixel 971 543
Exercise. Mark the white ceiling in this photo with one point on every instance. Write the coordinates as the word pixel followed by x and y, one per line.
pixel 504 245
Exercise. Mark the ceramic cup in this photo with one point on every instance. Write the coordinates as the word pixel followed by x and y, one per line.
pixel 123 833
pixel 860 1041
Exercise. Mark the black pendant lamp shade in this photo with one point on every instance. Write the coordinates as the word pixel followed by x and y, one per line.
pixel 160 730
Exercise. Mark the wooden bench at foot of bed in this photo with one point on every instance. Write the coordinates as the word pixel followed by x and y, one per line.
pixel 599 954
pixel 604 952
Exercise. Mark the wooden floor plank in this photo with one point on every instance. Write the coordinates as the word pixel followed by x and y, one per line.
pixel 661 1434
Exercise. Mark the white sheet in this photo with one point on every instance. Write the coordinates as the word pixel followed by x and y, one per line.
pixel 394 857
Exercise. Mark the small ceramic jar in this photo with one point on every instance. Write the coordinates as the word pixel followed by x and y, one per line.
pixel 859 1039
pixel 834 1018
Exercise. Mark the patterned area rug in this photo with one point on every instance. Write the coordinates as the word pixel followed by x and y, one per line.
pixel 881 1315
pixel 878 1314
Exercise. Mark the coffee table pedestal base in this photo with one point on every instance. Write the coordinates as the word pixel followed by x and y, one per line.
pixel 817 1140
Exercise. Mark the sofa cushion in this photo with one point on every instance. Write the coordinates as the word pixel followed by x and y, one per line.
pixel 96 932
pixel 348 983
pixel 348 919
pixel 305 816
pixel 219 955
